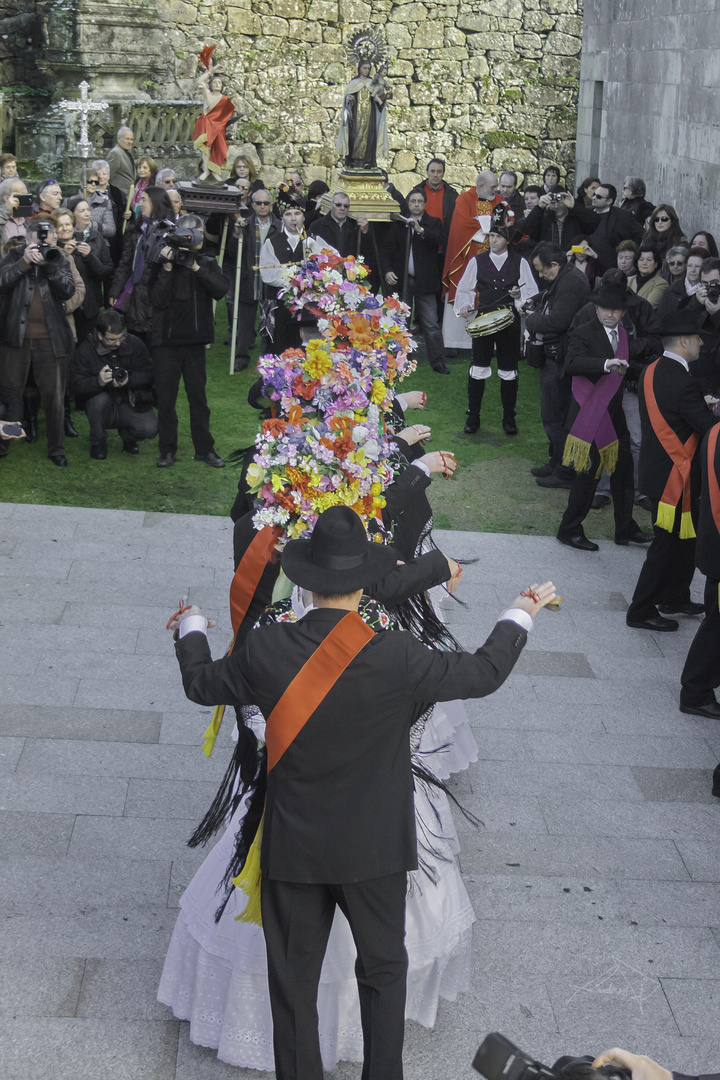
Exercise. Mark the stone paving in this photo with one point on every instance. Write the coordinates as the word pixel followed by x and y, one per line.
pixel 594 877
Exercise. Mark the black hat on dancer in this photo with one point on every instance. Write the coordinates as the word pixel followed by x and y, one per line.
pixel 338 558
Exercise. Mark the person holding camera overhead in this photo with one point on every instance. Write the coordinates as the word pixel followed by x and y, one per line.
pixel 183 285
pixel 129 288
pixel 111 377
pixel 35 282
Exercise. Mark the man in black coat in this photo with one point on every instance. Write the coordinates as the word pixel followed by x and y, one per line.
pixel 111 377
pixel 348 235
pixel 701 673
pixel 339 825
pixel 547 323
pixel 554 219
pixel 181 294
pixel 594 350
pixel 255 229
pixel 606 225
pixel 35 282
pixel 410 257
pixel 673 417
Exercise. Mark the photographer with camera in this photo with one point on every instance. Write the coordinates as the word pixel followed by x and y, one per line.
pixel 183 285
pixel 35 282
pixel 553 218
pixel 129 288
pixel 111 377
pixel 705 306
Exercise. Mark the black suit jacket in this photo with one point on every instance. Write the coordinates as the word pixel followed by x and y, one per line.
pixel 345 239
pixel 587 349
pixel 340 799
pixel 707 549
pixel 424 251
pixel 642 324
pixel 680 399
pixel 449 198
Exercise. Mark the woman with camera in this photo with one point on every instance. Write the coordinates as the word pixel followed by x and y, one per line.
pixel 129 288
pixel 91 256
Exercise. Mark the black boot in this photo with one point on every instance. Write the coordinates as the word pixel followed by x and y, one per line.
pixel 32 405
pixel 508 397
pixel 69 426
pixel 476 389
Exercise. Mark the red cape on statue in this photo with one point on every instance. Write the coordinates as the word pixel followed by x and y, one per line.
pixel 212 125
pixel 461 246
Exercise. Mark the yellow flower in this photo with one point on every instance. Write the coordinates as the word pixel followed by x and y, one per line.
pixel 318 361
pixel 375 489
pixel 278 482
pixel 377 392
pixel 255 474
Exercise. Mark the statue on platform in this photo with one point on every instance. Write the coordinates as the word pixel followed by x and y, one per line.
pixel 363 122
pixel 210 127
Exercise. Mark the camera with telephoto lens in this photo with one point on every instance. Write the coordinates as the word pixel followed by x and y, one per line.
pixel 182 242
pixel 48 251
pixel 119 373
pixel 499 1059
pixel 712 289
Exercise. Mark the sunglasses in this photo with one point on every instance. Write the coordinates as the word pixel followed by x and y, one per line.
pixel 341 205
pixel 261 202
pixel 661 219
pixel 92 181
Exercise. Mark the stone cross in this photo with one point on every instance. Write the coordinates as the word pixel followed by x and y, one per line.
pixel 84 107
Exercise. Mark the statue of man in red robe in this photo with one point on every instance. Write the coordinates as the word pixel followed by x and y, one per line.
pixel 218 109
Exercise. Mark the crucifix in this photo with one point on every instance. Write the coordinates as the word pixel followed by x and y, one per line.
pixel 84 107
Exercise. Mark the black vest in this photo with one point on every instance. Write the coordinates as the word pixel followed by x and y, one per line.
pixel 285 253
pixel 493 284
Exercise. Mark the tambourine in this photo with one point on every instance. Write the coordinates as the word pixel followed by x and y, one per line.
pixel 490 322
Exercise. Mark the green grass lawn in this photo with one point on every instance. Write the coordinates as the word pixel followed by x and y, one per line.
pixel 493 491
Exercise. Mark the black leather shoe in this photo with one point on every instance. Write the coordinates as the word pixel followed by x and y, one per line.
pixel 58 459
pixel 599 502
pixel 30 426
pixel 716 782
pixel 130 447
pixel 543 470
pixel 99 452
pixel 241 362
pixel 472 424
pixel 211 458
pixel 688 608
pixel 644 502
pixel 654 622
pixel 441 369
pixel 711 710
pixel 637 537
pixel 164 461
pixel 580 543
pixel 509 426
pixel 553 481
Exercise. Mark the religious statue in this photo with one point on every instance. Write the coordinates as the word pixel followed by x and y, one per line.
pixel 218 110
pixel 363 123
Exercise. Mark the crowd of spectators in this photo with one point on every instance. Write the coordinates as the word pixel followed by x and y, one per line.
pixel 73 258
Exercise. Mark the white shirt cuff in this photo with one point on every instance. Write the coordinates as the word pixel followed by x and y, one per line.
pixel 402 401
pixel 191 623
pixel 517 615
pixel 421 465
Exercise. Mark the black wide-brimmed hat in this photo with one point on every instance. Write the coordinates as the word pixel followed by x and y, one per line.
pixel 289 199
pixel 681 323
pixel 338 558
pixel 612 296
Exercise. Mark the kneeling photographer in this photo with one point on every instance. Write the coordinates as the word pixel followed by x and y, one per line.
pixel 111 378
pixel 183 285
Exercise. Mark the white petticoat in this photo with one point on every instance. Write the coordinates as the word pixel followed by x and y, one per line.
pixel 215 975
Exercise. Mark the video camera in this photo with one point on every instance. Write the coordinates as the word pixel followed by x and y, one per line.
pixel 499 1059
pixel 48 251
pixel 182 242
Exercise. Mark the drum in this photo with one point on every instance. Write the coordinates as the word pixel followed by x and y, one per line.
pixel 490 322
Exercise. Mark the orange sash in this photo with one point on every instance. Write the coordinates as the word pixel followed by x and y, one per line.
pixel 681 455
pixel 713 486
pixel 313 683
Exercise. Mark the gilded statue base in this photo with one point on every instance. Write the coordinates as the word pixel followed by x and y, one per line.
pixel 367 195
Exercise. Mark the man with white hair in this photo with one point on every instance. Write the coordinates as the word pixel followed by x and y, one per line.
pixel 121 161
pixel 11 224
pixel 166 178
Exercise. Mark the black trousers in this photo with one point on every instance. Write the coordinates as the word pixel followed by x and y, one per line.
pixel 36 355
pixel 506 343
pixel 171 364
pixel 701 674
pixel 104 412
pixel 297 919
pixel 667 571
pixel 622 486
pixel 555 397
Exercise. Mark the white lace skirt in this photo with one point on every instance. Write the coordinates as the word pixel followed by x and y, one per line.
pixel 215 975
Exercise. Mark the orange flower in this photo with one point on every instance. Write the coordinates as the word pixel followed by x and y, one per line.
pixel 273 427
pixel 295 416
pixel 341 423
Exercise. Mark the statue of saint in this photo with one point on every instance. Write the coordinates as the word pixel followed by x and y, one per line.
pixel 363 123
pixel 209 131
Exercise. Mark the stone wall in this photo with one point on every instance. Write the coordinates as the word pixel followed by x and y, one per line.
pixel 482 84
pixel 649 102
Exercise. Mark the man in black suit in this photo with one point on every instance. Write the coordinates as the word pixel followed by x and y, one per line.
pixel 554 219
pixel 674 417
pixel 348 235
pixel 606 225
pixel 339 825
pixel 595 350
pixel 255 229
pixel 411 262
